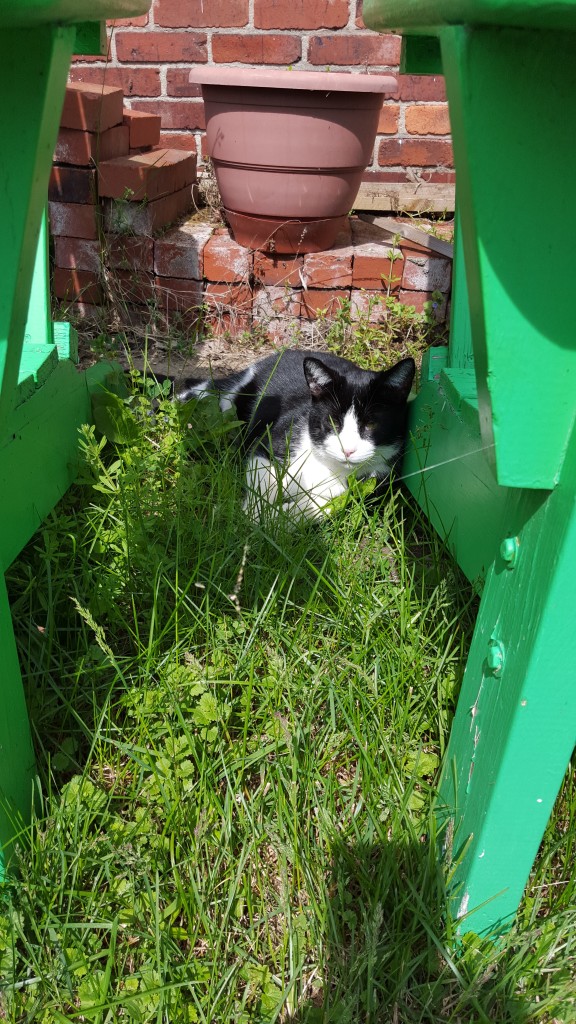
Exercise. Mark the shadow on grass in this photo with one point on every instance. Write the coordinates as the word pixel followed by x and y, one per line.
pixel 387 958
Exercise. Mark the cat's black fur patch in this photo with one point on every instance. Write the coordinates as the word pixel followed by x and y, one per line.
pixel 279 399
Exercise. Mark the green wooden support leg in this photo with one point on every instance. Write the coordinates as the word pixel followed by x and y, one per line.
pixel 33 71
pixel 17 765
pixel 511 150
pixel 515 726
pixel 41 454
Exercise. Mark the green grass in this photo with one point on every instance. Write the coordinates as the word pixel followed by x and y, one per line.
pixel 238 731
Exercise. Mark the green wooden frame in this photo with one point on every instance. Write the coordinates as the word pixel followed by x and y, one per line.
pixel 43 399
pixel 492 459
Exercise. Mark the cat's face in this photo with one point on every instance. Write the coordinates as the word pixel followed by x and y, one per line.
pixel 358 421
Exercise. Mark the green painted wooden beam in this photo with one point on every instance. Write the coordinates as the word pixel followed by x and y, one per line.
pixel 39 453
pixel 38 462
pixel 33 72
pixel 31 13
pixel 446 469
pixel 17 763
pixel 430 15
pixel 520 288
pixel 38 330
pixel 91 39
pixel 420 55
pixel 515 726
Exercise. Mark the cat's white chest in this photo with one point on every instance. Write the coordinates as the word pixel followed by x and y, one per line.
pixel 304 484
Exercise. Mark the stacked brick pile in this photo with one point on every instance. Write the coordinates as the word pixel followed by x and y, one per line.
pixel 283 294
pixel 114 191
pixel 112 186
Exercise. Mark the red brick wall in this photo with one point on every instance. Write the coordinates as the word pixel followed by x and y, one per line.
pixel 150 57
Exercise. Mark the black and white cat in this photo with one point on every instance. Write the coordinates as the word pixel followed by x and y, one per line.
pixel 312 420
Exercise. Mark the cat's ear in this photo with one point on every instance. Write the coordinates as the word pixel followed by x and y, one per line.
pixel 319 377
pixel 399 379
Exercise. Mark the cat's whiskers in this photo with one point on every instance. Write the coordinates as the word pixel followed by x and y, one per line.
pixel 445 462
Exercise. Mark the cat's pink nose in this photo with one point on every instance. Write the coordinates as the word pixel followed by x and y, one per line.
pixel 348 452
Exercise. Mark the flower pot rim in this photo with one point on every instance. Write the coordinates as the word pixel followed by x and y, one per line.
pixel 272 78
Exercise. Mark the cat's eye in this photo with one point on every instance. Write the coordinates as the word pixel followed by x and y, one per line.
pixel 371 426
pixel 336 424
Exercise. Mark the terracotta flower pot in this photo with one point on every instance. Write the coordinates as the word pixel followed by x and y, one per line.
pixel 289 149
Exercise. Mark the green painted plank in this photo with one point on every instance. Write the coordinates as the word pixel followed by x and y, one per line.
pixel 38 330
pixel 428 15
pixel 29 13
pixel 39 453
pixel 461 350
pixel 460 388
pixel 33 72
pixel 26 387
pixel 520 293
pixel 66 340
pixel 91 39
pixel 38 361
pixel 515 730
pixel 420 55
pixel 446 469
pixel 17 765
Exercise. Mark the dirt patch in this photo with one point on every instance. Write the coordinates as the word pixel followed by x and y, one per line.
pixel 214 357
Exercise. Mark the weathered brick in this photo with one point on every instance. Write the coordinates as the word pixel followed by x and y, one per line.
pixel 383 175
pixel 388 120
pixel 132 81
pixel 227 309
pixel 148 176
pixel 419 300
pixel 274 302
pixel 176 295
pixel 180 252
pixel 328 302
pixel 129 252
pixel 133 285
pixel 377 264
pixel 256 49
pixel 221 296
pixel 424 88
pixel 162 47
pixel 86 58
pixel 146 218
pixel 367 304
pixel 427 274
pixel 72 185
pixel 91 108
pixel 178 140
pixel 77 253
pixel 144 128
pixel 444 229
pixel 201 13
pixel 330 269
pixel 227 324
pixel 427 119
pixel 85 148
pixel 176 116
pixel 74 220
pixel 178 83
pixel 138 22
pixel 77 311
pixel 355 50
pixel 77 284
pixel 415 152
pixel 300 14
pixel 225 260
pixel 278 270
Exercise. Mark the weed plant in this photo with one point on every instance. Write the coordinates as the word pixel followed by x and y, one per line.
pixel 238 729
